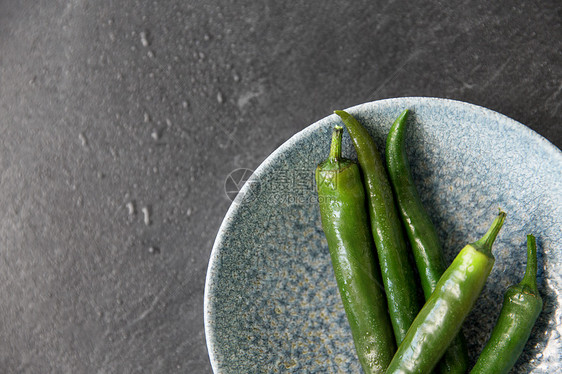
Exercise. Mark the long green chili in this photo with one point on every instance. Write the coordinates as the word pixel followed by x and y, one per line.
pixel 422 235
pixel 345 222
pixel 441 317
pixel 397 273
pixel 521 307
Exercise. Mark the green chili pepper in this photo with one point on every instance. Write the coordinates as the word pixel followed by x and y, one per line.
pixel 421 233
pixel 397 273
pixel 521 307
pixel 345 222
pixel 441 317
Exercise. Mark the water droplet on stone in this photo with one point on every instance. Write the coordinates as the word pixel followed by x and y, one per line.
pixel 144 39
pixel 131 208
pixel 146 215
pixel 83 139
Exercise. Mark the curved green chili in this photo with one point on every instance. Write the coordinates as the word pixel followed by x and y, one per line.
pixel 421 233
pixel 397 273
pixel 441 317
pixel 345 222
pixel 521 307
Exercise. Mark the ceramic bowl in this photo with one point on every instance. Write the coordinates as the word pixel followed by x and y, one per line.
pixel 271 300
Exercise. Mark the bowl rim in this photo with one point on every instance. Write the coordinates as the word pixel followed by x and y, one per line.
pixel 233 209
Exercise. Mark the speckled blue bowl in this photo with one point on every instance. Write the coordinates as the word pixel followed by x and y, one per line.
pixel 271 301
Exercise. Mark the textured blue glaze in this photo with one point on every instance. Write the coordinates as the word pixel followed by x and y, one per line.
pixel 271 300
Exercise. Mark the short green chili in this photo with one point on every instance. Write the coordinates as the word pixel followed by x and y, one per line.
pixel 441 317
pixel 521 307
pixel 345 222
pixel 390 243
pixel 422 235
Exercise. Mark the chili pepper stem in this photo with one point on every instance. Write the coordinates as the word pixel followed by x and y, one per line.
pixel 530 277
pixel 335 147
pixel 485 243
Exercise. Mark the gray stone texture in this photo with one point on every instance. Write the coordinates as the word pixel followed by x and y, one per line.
pixel 120 121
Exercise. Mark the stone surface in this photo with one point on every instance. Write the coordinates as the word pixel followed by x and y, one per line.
pixel 120 121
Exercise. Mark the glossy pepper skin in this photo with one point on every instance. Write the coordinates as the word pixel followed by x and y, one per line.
pixel 344 220
pixel 397 272
pixel 521 307
pixel 441 317
pixel 422 235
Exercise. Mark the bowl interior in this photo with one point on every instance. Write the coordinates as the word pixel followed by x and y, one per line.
pixel 271 301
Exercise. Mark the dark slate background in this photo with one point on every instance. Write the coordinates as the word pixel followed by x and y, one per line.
pixel 121 119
